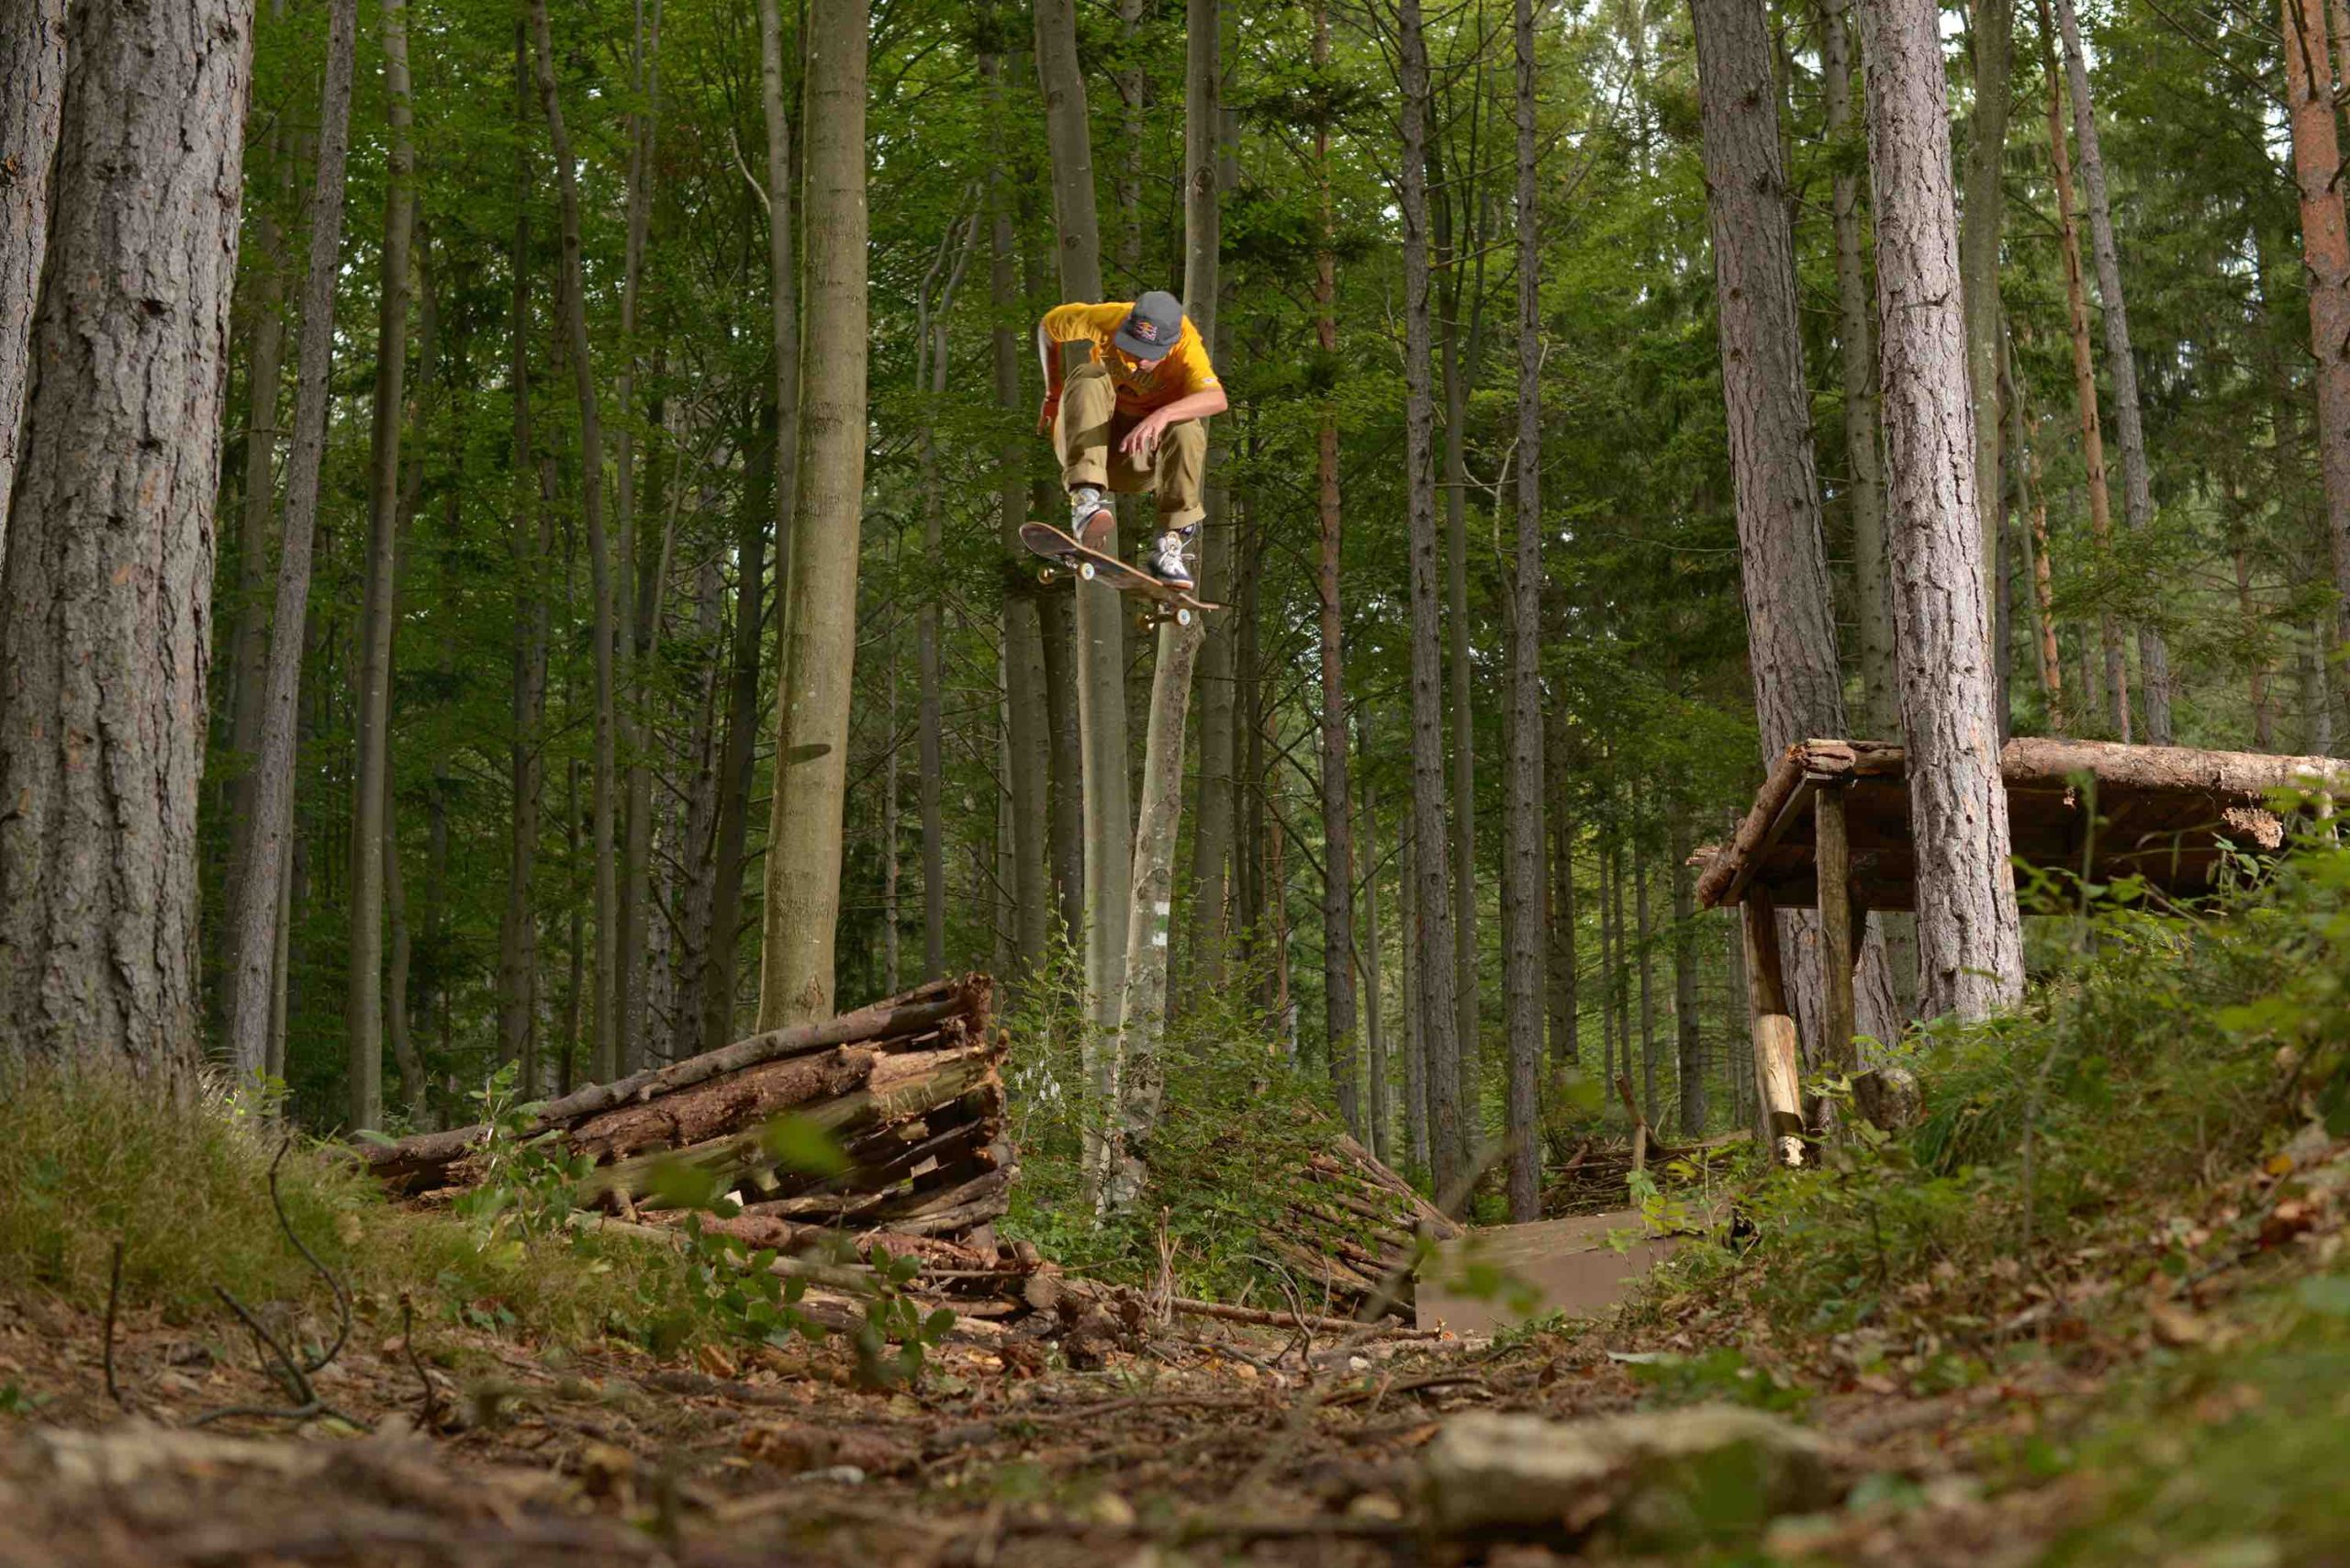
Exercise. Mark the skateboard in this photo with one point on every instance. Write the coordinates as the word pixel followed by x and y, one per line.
pixel 1066 555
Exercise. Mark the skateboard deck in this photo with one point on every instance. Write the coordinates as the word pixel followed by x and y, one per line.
pixel 1066 555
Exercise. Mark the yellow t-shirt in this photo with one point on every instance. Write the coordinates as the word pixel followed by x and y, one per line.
pixel 1184 371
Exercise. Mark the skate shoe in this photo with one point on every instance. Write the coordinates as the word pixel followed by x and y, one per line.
pixel 1085 504
pixel 1164 560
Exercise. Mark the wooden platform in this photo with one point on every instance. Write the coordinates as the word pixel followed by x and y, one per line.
pixel 1567 1262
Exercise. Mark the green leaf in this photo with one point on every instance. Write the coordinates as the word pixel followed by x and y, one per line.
pixel 799 1145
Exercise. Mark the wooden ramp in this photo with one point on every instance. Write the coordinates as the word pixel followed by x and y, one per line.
pixel 1568 1263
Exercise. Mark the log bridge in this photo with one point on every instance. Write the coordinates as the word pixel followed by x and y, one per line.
pixel 1830 830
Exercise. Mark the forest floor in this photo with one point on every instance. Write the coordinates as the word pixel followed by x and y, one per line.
pixel 1194 1444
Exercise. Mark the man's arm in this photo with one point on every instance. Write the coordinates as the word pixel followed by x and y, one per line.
pixel 1208 400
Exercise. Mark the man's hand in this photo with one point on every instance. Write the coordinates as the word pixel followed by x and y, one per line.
pixel 1050 411
pixel 1144 435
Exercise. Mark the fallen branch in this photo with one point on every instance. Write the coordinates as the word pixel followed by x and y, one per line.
pixel 113 1291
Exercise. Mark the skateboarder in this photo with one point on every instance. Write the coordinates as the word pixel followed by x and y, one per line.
pixel 1133 420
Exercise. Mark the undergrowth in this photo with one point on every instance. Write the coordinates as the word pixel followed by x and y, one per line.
pixel 87 1159
pixel 1236 1125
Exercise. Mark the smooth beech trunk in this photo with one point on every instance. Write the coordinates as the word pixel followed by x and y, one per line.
pixel 105 598
pixel 1969 943
pixel 1371 950
pixel 1688 1038
pixel 32 97
pixel 803 864
pixel 256 893
pixel 1438 1014
pixel 1524 936
pixel 2325 260
pixel 2121 365
pixel 603 1060
pixel 371 812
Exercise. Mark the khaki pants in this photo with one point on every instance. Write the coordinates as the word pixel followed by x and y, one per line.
pixel 1088 429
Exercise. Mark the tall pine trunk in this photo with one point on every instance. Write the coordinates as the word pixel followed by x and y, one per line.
pixel 1337 836
pixel 369 812
pixel 1370 947
pixel 1101 623
pixel 1565 999
pixel 572 296
pixel 2076 305
pixel 1524 936
pixel 2325 258
pixel 105 621
pixel 1439 1019
pixel 32 97
pixel 2121 365
pixel 257 898
pixel 1970 948
pixel 1992 25
pixel 803 865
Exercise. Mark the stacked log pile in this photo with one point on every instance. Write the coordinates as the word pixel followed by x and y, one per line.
pixel 1353 1231
pixel 909 1089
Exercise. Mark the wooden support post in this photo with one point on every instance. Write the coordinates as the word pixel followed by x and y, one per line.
pixel 1833 860
pixel 1774 1030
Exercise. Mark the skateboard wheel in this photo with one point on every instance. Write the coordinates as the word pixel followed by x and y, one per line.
pixel 1144 622
pixel 1045 575
pixel 1182 616
pixel 1085 570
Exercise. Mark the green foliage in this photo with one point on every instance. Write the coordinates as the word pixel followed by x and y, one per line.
pixel 1721 1375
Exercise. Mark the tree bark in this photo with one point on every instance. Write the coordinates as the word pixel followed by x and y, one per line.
pixel 1565 1002
pixel 2101 505
pixel 1970 946
pixel 1381 1112
pixel 2121 365
pixel 248 651
pixel 1523 883
pixel 364 1008
pixel 1992 25
pixel 534 549
pixel 632 630
pixel 106 597
pixel 32 97
pixel 603 1024
pixel 1855 342
pixel 931 360
pixel 1688 1038
pixel 803 885
pixel 1647 937
pixel 1026 740
pixel 1440 1020
pixel 256 893
pixel 1415 1069
pixel 2325 260
pixel 753 529
pixel 1100 625
pixel 697 844
pixel 1337 835
pixel 2024 457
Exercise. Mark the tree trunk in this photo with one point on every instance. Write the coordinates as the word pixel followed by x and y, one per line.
pixel 2024 457
pixel 1565 1005
pixel 1337 837
pixel 1468 1035
pixel 248 652
pixel 2120 367
pixel 1640 913
pixel 1687 1035
pixel 931 358
pixel 697 844
pixel 573 297
pixel 1790 617
pixel 2325 258
pixel 1370 944
pixel 575 977
pixel 256 894
pixel 1970 946
pixel 1523 882
pixel 752 528
pixel 371 788
pixel 1992 25
pixel 804 883
pixel 396 1027
pixel 1416 1066
pixel 32 97
pixel 1439 1019
pixel 1027 741
pixel 632 630
pixel 105 598
pixel 1872 581
pixel 2100 506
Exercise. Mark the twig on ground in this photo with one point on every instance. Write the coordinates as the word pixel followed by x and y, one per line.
pixel 429 1415
pixel 113 1294
pixel 306 1404
pixel 342 1296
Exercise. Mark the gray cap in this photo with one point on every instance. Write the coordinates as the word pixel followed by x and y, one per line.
pixel 1153 327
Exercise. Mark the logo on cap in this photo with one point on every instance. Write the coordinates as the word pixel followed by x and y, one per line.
pixel 1146 331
